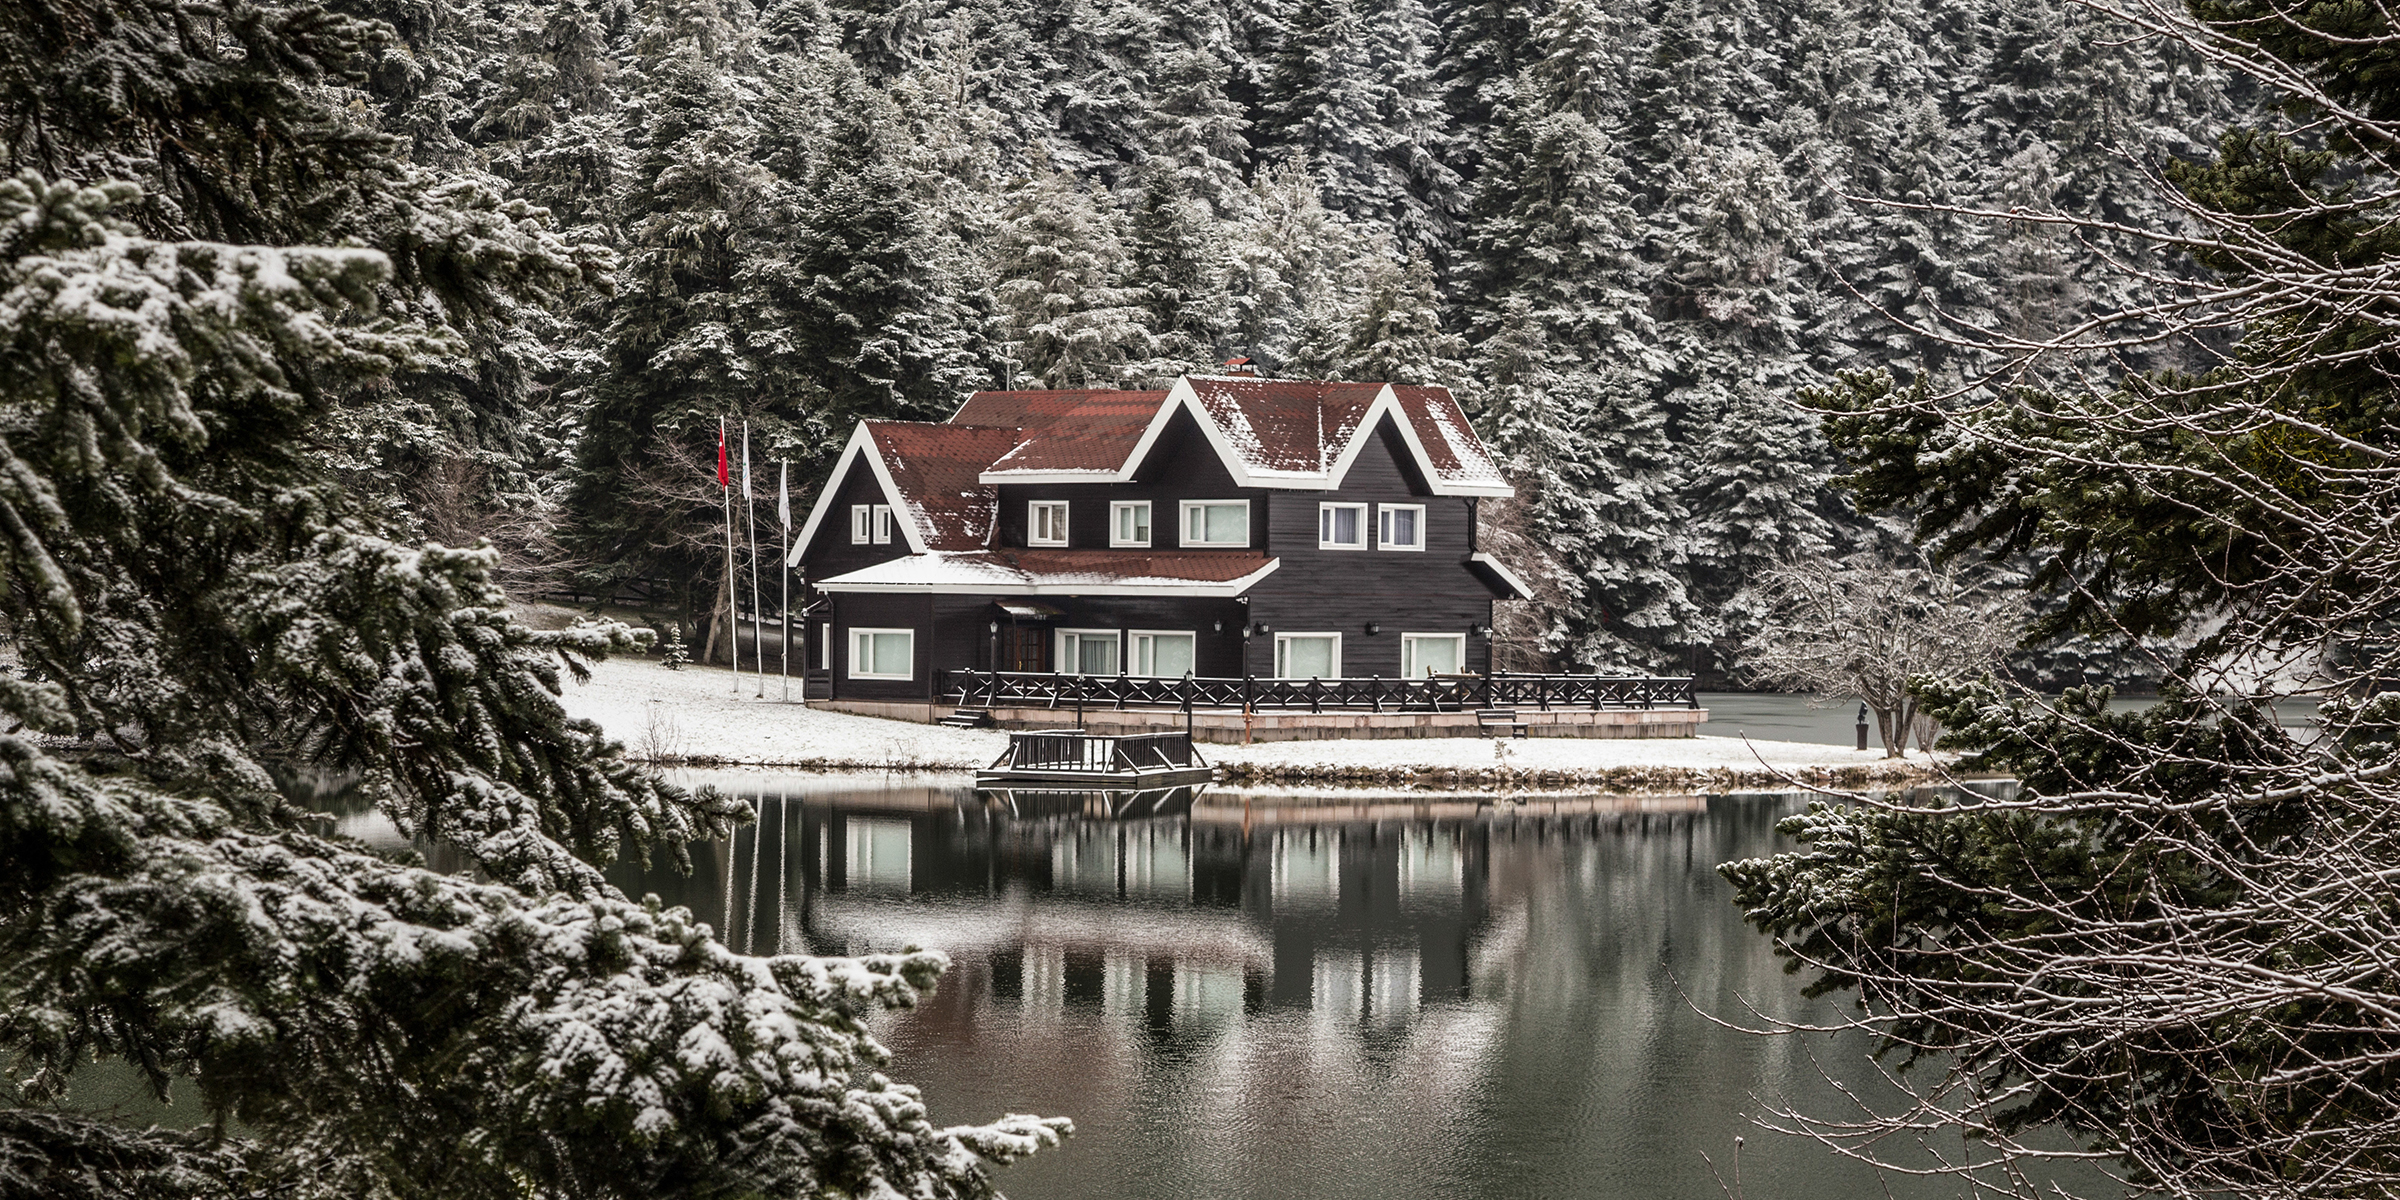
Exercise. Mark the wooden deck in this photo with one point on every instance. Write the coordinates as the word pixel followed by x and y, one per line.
pixel 1076 759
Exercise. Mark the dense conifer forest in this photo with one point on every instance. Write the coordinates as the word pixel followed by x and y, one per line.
pixel 1627 233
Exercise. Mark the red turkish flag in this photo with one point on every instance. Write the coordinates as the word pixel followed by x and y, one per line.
pixel 724 476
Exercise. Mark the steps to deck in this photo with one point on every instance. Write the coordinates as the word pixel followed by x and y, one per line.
pixel 1500 718
pixel 967 718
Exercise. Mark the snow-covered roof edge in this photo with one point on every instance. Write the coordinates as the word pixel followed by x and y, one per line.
pixel 1500 570
pixel 942 573
pixel 1184 397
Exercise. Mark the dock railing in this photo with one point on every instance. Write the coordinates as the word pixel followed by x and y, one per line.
pixel 1433 693
pixel 1092 753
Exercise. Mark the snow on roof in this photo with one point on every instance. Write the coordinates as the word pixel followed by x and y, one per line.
pixel 1270 432
pixel 934 468
pixel 1062 572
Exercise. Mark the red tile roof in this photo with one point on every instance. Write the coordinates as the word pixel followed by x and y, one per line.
pixel 934 467
pixel 1067 430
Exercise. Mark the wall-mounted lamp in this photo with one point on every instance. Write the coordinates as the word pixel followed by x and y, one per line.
pixel 1217 626
pixel 1266 628
pixel 994 627
pixel 1374 628
pixel 1483 631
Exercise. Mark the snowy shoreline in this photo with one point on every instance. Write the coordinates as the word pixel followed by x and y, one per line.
pixel 696 717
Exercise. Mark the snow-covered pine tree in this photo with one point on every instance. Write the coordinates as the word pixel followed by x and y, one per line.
pixel 1180 267
pixel 200 609
pixel 1485 45
pixel 1734 300
pixel 1399 336
pixel 860 316
pixel 677 348
pixel 1559 314
pixel 1354 91
pixel 1072 317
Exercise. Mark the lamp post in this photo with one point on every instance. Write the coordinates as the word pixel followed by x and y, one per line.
pixel 1862 724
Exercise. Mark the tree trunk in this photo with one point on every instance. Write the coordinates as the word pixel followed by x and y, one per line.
pixel 718 625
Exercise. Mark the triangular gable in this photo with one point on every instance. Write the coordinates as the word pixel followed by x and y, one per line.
pixel 860 448
pixel 1256 429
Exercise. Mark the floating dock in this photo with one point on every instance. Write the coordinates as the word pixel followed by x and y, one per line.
pixel 1076 759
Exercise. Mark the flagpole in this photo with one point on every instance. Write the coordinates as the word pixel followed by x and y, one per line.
pixel 733 625
pixel 783 568
pixel 758 657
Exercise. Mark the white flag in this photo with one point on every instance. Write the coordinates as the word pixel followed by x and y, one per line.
pixel 745 458
pixel 783 503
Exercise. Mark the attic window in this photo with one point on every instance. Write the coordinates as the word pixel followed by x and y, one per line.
pixel 1341 527
pixel 883 524
pixel 1046 523
pixel 861 521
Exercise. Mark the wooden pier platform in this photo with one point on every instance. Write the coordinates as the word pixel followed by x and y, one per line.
pixel 1076 759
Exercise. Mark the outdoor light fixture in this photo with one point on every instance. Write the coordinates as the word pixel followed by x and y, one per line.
pixel 1374 628
pixel 1218 626
pixel 995 627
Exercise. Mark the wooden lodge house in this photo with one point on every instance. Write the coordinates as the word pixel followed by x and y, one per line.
pixel 1229 528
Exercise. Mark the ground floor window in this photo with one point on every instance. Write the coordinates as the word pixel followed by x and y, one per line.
pixel 1423 654
pixel 1163 655
pixel 883 653
pixel 1308 656
pixel 1087 651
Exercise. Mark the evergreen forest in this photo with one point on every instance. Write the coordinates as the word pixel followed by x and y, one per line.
pixel 1628 234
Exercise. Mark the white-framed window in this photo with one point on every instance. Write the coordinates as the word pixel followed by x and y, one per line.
pixel 1423 654
pixel 1341 527
pixel 1308 656
pixel 1129 523
pixel 883 524
pixel 861 521
pixel 1046 523
pixel 1403 526
pixel 1216 523
pixel 883 653
pixel 1163 654
pixel 1088 651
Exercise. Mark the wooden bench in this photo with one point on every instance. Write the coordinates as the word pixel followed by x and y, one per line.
pixel 1500 718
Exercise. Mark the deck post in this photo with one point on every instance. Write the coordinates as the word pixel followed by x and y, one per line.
pixel 1596 691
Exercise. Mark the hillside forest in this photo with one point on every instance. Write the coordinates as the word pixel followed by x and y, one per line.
pixel 1628 234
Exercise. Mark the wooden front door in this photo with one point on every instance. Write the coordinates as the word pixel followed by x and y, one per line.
pixel 1024 648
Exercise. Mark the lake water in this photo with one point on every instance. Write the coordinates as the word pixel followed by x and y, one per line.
pixel 1270 996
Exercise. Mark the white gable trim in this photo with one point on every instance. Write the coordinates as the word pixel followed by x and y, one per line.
pixel 1506 576
pixel 1184 398
pixel 862 445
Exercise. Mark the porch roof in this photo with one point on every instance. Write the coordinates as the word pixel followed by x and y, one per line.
pixel 1061 573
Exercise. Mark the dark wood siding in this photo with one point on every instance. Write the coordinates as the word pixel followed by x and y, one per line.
pixel 1343 591
pixel 883 611
pixel 830 552
pixel 1181 466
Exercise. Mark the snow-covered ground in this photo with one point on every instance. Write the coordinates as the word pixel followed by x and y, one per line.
pixel 697 714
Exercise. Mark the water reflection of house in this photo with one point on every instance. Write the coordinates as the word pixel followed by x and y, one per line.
pixel 1167 916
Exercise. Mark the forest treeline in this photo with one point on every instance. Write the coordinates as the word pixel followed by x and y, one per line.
pixel 1628 233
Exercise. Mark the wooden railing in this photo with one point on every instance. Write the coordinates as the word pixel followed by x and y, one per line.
pixel 1436 693
pixel 1075 750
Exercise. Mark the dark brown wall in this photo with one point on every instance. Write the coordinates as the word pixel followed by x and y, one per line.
pixel 830 553
pixel 1342 591
pixel 1181 466
pixel 880 610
